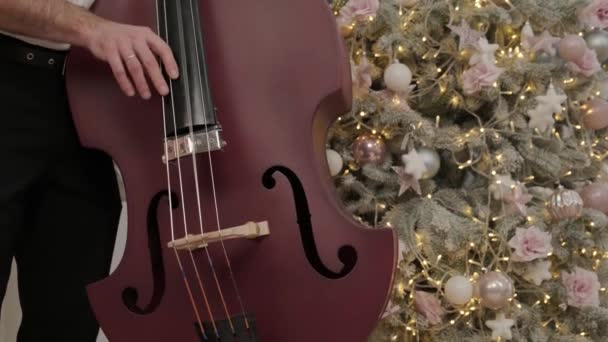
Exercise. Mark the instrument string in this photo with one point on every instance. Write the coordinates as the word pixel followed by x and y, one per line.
pixel 197 185
pixel 216 207
pixel 186 233
pixel 231 273
pixel 191 297
pixel 172 224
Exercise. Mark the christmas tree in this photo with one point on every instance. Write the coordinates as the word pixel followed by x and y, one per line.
pixel 477 133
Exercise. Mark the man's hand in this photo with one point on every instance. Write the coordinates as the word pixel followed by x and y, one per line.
pixel 131 52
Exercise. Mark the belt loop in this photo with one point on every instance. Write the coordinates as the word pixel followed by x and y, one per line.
pixel 65 62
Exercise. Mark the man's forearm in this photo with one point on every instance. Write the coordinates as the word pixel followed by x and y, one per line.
pixel 55 20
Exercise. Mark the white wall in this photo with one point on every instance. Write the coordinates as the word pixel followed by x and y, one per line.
pixel 11 311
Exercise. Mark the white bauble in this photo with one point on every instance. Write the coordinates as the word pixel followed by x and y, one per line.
pixel 432 161
pixel 335 162
pixel 398 77
pixel 458 290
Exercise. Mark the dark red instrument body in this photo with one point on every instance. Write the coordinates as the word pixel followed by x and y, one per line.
pixel 280 76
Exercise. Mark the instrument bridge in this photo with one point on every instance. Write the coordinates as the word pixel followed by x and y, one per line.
pixel 250 230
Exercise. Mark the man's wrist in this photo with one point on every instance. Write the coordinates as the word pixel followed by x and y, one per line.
pixel 87 26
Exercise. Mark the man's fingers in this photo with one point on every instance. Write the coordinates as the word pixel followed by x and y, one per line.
pixel 135 68
pixel 119 72
pixel 152 67
pixel 133 54
pixel 160 48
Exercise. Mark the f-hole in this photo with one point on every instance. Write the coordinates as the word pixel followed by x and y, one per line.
pixel 346 254
pixel 130 295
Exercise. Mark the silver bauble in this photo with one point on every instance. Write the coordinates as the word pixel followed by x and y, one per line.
pixel 494 289
pixel 598 41
pixel 543 57
pixel 431 160
pixel 603 175
pixel 603 89
pixel 565 204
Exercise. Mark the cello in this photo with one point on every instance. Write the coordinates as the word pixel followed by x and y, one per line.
pixel 234 232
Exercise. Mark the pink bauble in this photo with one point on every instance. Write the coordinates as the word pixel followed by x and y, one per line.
pixel 572 47
pixel 596 115
pixel 494 289
pixel 595 196
pixel 369 148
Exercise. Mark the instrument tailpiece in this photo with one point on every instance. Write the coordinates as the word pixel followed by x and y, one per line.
pixel 242 332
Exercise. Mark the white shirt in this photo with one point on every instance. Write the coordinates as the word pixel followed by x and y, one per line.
pixel 48 44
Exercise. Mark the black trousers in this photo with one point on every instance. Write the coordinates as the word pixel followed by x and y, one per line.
pixel 59 206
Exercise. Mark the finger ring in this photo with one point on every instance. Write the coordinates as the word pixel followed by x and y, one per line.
pixel 131 56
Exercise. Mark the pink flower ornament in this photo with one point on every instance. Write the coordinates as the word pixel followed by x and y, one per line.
pixel 429 306
pixel 587 65
pixel 479 76
pixel 517 199
pixel 391 309
pixel 583 287
pixel 530 244
pixel 595 14
pixel 362 77
pixel 358 10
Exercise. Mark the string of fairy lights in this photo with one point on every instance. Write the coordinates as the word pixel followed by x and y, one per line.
pixel 491 251
pixel 506 56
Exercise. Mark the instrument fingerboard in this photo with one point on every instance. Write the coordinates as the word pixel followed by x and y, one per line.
pixel 190 104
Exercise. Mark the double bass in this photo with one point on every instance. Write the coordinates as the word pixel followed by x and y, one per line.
pixel 234 231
